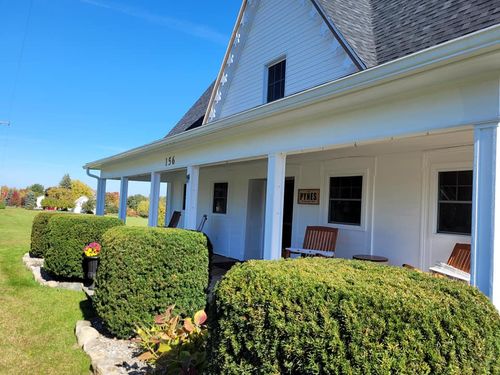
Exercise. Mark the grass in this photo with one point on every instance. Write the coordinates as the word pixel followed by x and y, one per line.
pixel 36 323
pixel 134 221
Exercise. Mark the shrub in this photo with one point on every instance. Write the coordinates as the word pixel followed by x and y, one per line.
pixel 2 205
pixel 144 270
pixel 173 344
pixel 311 316
pixel 40 234
pixel 69 234
pixel 61 204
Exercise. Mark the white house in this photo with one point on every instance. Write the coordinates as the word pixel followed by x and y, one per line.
pixel 389 110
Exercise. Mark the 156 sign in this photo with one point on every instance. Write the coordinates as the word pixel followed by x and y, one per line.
pixel 170 160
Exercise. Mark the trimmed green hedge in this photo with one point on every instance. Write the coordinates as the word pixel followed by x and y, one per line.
pixel 40 234
pixel 323 316
pixel 144 270
pixel 69 234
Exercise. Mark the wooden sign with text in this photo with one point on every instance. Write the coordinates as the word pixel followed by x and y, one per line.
pixel 308 196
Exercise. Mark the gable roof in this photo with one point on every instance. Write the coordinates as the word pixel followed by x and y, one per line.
pixel 195 115
pixel 383 30
pixel 379 31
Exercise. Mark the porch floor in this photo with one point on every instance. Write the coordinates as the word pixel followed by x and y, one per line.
pixel 220 265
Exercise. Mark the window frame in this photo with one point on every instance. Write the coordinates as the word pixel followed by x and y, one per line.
pixel 329 200
pixel 226 198
pixel 274 62
pixel 438 201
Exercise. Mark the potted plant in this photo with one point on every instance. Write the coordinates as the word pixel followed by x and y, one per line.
pixel 91 257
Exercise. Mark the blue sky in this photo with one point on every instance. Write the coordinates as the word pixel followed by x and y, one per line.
pixel 97 77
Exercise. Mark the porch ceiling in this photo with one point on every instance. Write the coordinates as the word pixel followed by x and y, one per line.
pixel 428 142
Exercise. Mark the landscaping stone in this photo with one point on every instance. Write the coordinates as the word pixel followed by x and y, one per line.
pixel 35 265
pixel 109 356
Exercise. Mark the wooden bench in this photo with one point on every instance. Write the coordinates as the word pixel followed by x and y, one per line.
pixel 318 241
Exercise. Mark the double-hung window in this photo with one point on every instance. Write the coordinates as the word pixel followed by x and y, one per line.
pixel 220 198
pixel 276 81
pixel 455 202
pixel 345 200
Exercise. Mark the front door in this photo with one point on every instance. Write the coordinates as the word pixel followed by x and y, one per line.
pixel 288 212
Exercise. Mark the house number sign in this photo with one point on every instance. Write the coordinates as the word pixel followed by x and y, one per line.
pixel 170 160
pixel 308 196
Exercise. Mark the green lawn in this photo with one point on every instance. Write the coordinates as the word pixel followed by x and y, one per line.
pixel 36 323
pixel 135 221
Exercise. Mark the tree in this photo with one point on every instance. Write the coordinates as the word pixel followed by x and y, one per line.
pixel 134 200
pixel 89 206
pixel 143 210
pixel 38 189
pixel 30 200
pixel 15 199
pixel 65 182
pixel 112 202
pixel 78 189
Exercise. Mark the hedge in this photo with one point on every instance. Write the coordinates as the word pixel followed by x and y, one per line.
pixel 323 316
pixel 69 234
pixel 145 270
pixel 40 234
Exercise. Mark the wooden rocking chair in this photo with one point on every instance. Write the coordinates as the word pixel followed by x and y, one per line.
pixel 318 241
pixel 174 220
pixel 458 265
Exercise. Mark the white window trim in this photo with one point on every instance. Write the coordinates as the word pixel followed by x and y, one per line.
pixel 433 197
pixel 275 61
pixel 365 196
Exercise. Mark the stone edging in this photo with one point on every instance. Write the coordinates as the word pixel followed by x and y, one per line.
pixel 35 265
pixel 109 356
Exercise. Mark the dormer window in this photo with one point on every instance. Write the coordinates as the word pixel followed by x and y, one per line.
pixel 276 81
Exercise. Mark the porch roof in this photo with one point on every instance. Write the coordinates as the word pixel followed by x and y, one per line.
pixel 460 49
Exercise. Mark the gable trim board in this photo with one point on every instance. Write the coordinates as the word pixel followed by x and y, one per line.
pixel 470 45
pixel 244 26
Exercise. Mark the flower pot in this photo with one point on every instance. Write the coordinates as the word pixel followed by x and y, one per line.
pixel 91 265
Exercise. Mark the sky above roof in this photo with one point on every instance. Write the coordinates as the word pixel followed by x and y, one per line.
pixel 85 79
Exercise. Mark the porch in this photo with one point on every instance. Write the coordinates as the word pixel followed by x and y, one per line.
pixel 401 209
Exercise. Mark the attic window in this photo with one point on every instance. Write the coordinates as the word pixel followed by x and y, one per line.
pixel 276 81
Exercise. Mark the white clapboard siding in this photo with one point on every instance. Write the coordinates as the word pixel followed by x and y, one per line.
pixel 291 29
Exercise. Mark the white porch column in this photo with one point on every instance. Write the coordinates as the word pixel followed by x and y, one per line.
pixel 122 208
pixel 273 230
pixel 193 177
pixel 169 203
pixel 100 197
pixel 485 262
pixel 154 199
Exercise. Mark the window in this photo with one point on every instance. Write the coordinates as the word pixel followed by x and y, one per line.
pixel 276 81
pixel 455 202
pixel 345 200
pixel 220 198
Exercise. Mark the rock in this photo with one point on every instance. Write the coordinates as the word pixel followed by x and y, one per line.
pixel 109 356
pixel 51 284
pixel 87 334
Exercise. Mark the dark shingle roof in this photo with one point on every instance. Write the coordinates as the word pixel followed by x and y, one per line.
pixel 383 30
pixel 194 117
